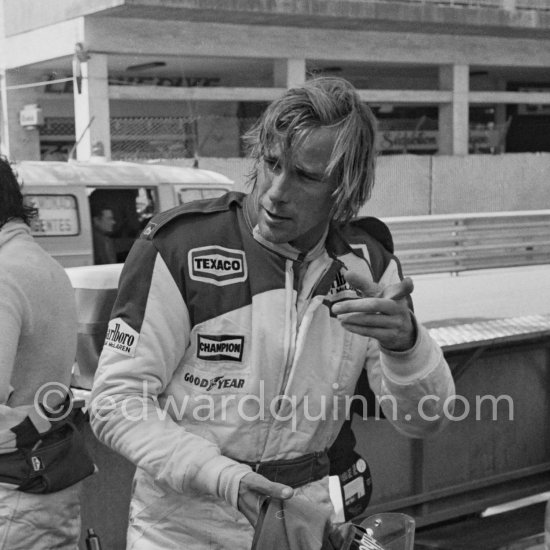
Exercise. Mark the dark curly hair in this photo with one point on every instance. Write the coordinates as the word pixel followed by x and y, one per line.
pixel 12 204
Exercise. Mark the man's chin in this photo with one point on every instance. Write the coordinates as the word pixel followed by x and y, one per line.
pixel 272 236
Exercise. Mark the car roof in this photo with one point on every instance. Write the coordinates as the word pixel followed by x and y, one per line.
pixel 119 173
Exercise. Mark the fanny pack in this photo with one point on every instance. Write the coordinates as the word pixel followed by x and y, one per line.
pixel 51 460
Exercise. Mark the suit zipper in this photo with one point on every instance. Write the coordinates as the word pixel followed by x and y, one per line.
pixel 290 328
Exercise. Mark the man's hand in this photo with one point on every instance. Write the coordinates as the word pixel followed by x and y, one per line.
pixel 380 312
pixel 252 488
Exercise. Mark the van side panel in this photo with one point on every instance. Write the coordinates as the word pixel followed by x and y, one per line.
pixel 69 250
pixel 63 191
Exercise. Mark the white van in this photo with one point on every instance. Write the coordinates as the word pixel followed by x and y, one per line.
pixel 64 191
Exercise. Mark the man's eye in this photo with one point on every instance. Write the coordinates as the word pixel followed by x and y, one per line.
pixel 271 163
pixel 310 177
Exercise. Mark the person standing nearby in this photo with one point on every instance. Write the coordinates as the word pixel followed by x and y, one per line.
pixel 242 326
pixel 38 338
pixel 103 224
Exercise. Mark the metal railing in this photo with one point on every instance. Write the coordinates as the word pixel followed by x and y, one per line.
pixel 508 5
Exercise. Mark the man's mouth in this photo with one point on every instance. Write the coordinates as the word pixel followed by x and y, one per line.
pixel 274 216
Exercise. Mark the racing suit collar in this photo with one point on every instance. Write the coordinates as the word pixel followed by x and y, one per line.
pixel 290 252
pixel 283 249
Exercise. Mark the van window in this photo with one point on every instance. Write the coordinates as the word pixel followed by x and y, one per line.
pixel 118 216
pixel 57 215
pixel 187 194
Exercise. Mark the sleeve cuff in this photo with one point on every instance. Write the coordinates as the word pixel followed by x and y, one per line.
pixel 221 476
pixel 404 367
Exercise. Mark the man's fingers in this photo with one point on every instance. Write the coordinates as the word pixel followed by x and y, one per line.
pixel 367 319
pixel 362 284
pixel 262 485
pixel 369 289
pixel 399 290
pixel 385 300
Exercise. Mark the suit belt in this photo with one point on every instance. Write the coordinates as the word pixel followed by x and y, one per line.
pixel 294 472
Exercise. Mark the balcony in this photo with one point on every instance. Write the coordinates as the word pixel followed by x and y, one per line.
pixel 447 16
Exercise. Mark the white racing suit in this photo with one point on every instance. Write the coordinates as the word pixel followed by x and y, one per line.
pixel 221 349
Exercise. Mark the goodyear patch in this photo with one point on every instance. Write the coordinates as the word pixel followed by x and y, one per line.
pixel 220 347
pixel 217 265
pixel 215 384
pixel 121 338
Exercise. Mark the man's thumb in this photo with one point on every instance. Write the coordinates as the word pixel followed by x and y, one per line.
pixel 262 485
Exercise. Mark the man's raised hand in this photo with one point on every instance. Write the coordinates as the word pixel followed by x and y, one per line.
pixel 379 312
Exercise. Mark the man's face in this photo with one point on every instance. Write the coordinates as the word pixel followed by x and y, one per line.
pixel 106 222
pixel 293 196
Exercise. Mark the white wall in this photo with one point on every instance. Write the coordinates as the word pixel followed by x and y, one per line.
pixel 414 185
pixel 486 293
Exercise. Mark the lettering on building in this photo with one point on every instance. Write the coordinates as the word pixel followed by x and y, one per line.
pixel 57 87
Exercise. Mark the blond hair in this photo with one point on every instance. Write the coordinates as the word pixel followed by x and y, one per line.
pixel 323 102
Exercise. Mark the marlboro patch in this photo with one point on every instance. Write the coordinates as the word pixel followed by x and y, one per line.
pixel 121 338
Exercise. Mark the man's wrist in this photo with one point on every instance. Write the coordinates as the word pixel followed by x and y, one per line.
pixel 408 344
pixel 405 366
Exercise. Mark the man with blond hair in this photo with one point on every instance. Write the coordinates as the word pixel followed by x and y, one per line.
pixel 242 320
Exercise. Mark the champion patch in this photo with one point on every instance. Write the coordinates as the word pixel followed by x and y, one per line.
pixel 220 347
pixel 217 265
pixel 121 338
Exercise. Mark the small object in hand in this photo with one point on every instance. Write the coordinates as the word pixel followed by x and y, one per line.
pixel 92 541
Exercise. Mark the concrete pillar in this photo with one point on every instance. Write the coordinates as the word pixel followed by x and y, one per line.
pixel 91 106
pixel 454 117
pixel 18 142
pixel 289 72
pixel 500 108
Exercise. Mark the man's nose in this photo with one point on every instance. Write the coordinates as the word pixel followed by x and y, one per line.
pixel 281 187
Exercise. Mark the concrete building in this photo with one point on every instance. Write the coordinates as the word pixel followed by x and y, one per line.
pixel 178 78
